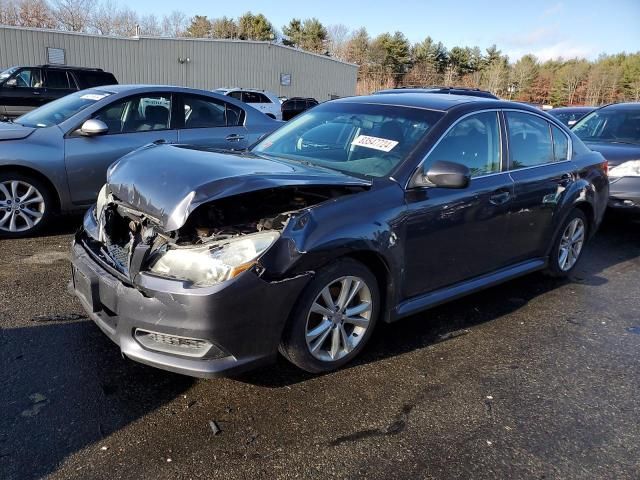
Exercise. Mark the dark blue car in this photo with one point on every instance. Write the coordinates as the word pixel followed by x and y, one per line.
pixel 361 210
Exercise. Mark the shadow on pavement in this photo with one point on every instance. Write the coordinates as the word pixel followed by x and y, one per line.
pixel 616 242
pixel 64 387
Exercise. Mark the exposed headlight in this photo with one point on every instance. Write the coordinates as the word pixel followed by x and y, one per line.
pixel 215 262
pixel 626 169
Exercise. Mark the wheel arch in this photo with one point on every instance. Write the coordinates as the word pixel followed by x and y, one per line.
pixel 380 268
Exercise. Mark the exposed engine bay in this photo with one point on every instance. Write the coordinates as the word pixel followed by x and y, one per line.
pixel 129 240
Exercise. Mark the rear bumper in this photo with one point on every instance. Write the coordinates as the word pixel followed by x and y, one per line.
pixel 624 193
pixel 243 318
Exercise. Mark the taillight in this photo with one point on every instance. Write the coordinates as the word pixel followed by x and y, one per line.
pixel 605 167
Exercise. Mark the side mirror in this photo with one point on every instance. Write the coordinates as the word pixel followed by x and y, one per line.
pixel 93 127
pixel 11 83
pixel 448 175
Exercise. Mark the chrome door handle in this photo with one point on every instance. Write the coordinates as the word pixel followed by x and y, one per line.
pixel 36 93
pixel 234 137
pixel 499 198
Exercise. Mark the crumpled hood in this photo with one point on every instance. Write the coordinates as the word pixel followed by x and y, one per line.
pixel 615 153
pixel 168 182
pixel 13 131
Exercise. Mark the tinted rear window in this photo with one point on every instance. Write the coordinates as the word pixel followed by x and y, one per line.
pixel 88 79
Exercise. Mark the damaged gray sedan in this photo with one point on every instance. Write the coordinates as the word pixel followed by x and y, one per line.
pixel 360 210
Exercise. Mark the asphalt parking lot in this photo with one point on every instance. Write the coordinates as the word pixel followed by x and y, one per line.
pixel 538 378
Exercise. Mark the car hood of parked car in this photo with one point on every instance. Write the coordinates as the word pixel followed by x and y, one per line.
pixel 168 182
pixel 14 131
pixel 616 153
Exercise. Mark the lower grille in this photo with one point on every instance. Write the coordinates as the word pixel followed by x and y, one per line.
pixel 120 255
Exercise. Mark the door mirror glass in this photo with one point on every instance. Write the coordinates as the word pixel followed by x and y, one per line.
pixel 448 174
pixel 11 83
pixel 93 127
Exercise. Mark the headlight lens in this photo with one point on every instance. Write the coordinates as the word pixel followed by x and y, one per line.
pixel 215 262
pixel 626 169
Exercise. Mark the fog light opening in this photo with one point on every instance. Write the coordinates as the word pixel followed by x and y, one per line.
pixel 176 345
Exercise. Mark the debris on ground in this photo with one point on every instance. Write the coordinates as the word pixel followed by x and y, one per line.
pixel 104 448
pixel 454 334
pixel 214 427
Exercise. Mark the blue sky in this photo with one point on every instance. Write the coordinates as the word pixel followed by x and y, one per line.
pixel 547 28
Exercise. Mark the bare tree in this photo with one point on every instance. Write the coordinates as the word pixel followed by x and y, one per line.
pixel 150 26
pixel 73 15
pixel 337 36
pixel 174 24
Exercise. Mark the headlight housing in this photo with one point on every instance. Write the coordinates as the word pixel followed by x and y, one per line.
pixel 626 169
pixel 214 262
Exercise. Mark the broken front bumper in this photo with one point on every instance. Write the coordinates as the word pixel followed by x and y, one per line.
pixel 241 319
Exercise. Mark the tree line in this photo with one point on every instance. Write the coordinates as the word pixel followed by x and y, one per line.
pixel 386 60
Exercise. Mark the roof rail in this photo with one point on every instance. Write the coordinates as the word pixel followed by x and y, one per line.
pixel 91 69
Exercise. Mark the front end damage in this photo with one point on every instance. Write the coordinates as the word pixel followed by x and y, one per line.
pixel 208 298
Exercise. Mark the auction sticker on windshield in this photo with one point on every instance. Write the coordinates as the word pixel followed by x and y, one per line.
pixel 376 143
pixel 94 96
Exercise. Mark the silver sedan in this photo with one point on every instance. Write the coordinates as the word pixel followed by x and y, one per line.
pixel 55 158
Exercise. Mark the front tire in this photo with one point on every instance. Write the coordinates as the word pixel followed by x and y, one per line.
pixel 569 245
pixel 26 205
pixel 333 318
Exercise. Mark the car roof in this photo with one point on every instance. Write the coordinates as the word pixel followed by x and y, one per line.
pixel 571 109
pixel 124 88
pixel 473 92
pixel 623 106
pixel 430 101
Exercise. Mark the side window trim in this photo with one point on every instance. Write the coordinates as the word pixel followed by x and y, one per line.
pixel 570 146
pixel 503 165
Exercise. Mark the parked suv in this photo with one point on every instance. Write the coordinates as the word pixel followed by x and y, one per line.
pixel 361 210
pixel 295 106
pixel 24 88
pixel 267 102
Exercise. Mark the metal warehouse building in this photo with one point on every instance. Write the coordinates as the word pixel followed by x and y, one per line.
pixel 200 63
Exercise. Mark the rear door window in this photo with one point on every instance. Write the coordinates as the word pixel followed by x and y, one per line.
pixel 250 97
pixel 57 79
pixel 530 141
pixel 236 95
pixel 203 112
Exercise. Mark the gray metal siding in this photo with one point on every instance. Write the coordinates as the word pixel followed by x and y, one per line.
pixel 213 63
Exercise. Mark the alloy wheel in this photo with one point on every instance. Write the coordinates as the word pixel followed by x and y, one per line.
pixel 571 244
pixel 22 206
pixel 338 319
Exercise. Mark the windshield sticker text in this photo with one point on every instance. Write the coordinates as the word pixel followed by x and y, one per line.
pixel 376 143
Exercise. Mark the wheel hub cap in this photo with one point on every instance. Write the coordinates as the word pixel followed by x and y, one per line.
pixel 339 318
pixel 21 206
pixel 571 244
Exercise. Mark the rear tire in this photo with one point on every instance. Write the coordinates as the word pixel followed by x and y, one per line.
pixel 569 244
pixel 333 319
pixel 26 205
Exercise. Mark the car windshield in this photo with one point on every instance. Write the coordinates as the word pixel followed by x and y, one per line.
pixel 7 73
pixel 364 139
pixel 610 125
pixel 58 111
